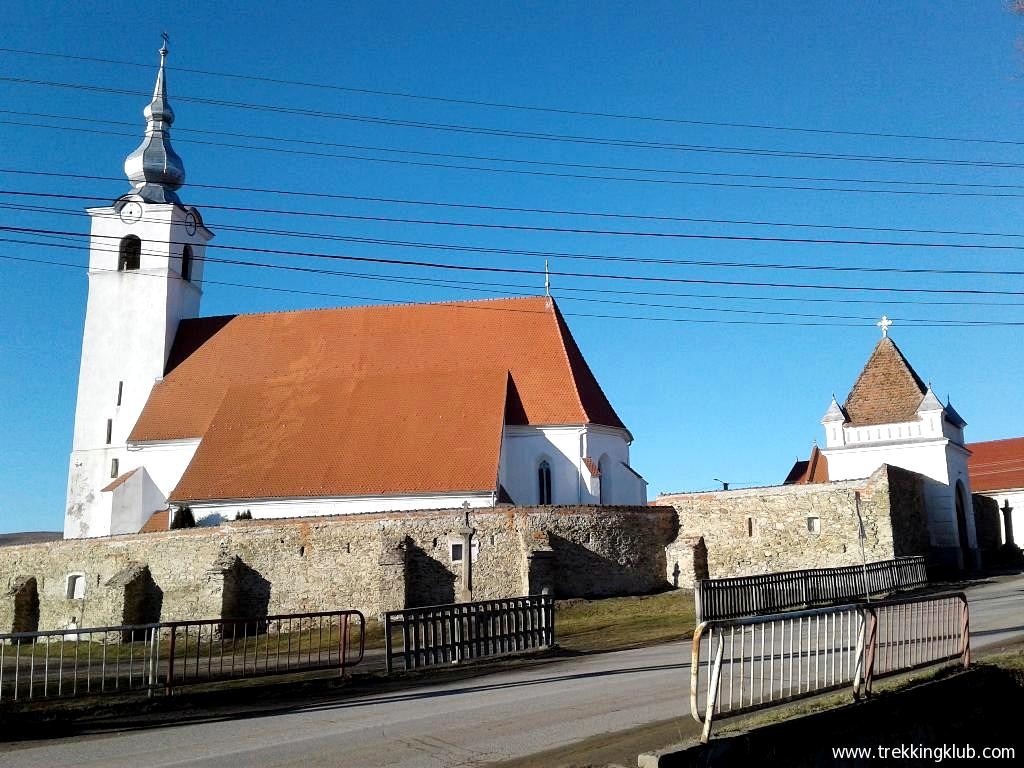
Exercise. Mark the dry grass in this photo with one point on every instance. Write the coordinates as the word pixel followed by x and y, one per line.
pixel 617 623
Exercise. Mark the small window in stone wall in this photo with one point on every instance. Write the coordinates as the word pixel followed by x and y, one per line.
pixel 814 524
pixel 750 526
pixel 455 551
pixel 75 586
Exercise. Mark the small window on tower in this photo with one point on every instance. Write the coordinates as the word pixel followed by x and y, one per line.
pixel 114 464
pixel 130 256
pixel 186 262
pixel 110 430
pixel 120 391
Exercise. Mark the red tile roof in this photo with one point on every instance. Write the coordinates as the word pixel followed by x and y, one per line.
pixel 528 337
pixel 996 465
pixel 591 465
pixel 158 521
pixel 814 470
pixel 888 389
pixel 121 480
pixel 392 434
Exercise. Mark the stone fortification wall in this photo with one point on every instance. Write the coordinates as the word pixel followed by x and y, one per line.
pixel 792 527
pixel 373 562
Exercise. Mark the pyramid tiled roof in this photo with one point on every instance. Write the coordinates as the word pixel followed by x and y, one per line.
pixel 888 389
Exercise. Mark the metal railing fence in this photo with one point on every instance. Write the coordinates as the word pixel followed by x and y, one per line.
pixel 774 592
pixel 458 632
pixel 745 664
pixel 222 649
pixel 166 655
pixel 78 662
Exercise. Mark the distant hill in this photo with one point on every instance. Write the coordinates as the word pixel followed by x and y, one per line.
pixel 29 537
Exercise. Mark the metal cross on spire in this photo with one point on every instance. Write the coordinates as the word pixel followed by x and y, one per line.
pixel 884 324
pixel 547 280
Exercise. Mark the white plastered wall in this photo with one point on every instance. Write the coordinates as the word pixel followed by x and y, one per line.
pixel 564 448
pixel 133 502
pixel 130 323
pixel 1015 498
pixel 927 447
pixel 224 511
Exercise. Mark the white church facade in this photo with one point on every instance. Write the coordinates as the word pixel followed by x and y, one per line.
pixel 336 411
pixel 892 417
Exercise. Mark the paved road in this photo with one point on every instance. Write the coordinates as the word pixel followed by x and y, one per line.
pixel 460 723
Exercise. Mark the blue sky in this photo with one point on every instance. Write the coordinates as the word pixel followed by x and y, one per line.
pixel 703 399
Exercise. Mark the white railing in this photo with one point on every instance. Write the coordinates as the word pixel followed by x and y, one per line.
pixel 745 664
pixel 76 662
pixel 147 658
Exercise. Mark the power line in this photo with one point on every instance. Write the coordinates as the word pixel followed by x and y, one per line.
pixel 462 285
pixel 378 299
pixel 538 136
pixel 486 158
pixel 908 321
pixel 76 238
pixel 528 108
pixel 592 256
pixel 535 173
pixel 486 207
pixel 572 275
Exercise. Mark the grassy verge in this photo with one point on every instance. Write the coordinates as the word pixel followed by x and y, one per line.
pixel 618 623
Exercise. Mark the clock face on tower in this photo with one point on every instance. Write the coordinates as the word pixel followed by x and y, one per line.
pixel 131 212
pixel 190 223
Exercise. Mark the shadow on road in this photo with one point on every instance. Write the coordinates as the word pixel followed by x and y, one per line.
pixel 186 712
pixel 997 631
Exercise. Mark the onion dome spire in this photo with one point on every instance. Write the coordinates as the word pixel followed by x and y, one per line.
pixel 154 168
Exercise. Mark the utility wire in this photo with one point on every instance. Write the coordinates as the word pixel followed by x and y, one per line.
pixel 524 107
pixel 535 173
pixel 908 321
pixel 481 206
pixel 573 275
pixel 467 286
pixel 538 136
pixel 591 256
pixel 531 288
pixel 486 158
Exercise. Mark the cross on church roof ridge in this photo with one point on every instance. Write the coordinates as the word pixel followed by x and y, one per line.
pixel 884 324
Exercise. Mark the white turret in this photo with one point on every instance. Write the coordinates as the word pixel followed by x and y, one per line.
pixel 146 256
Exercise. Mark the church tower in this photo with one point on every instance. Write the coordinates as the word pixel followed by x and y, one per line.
pixel 146 256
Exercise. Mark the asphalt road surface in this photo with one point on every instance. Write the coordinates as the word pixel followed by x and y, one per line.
pixel 496 717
